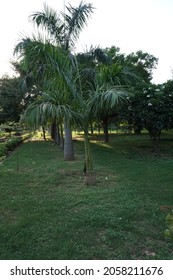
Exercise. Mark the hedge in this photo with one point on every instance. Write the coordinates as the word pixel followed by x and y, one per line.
pixel 10 145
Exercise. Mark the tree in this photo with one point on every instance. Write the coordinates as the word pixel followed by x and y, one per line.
pixel 151 108
pixel 63 30
pixel 51 105
pixel 105 69
pixel 12 99
pixel 143 64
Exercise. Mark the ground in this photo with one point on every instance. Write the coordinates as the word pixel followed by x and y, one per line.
pixel 47 212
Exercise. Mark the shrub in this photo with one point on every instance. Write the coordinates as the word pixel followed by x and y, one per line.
pixel 9 146
pixel 13 143
pixel 3 149
pixel 169 230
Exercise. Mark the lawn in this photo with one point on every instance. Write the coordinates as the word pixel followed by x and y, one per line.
pixel 46 211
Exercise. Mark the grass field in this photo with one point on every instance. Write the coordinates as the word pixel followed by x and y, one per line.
pixel 46 211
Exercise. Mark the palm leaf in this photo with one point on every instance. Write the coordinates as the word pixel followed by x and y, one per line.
pixel 75 21
pixel 50 21
pixel 50 106
pixel 105 100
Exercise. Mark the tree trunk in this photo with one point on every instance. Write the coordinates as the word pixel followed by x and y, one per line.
pixel 61 137
pixel 53 130
pixel 57 136
pixel 89 176
pixel 68 143
pixel 106 132
pixel 92 130
pixel 137 128
pixel 98 127
pixel 155 137
pixel 44 133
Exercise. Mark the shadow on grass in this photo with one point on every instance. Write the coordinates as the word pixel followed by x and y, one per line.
pixel 48 213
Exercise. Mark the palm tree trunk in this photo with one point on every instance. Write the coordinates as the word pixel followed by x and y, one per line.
pixel 68 143
pixel 92 130
pixel 98 127
pixel 57 137
pixel 89 175
pixel 44 132
pixel 106 131
pixel 61 136
pixel 53 130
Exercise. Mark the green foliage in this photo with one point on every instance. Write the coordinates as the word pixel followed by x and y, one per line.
pixel 3 150
pixel 9 145
pixel 47 58
pixel 13 143
pixel 63 28
pixel 11 99
pixel 169 223
pixel 149 107
pixel 10 127
pixel 143 64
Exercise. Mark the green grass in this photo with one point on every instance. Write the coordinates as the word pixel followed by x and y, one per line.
pixel 46 211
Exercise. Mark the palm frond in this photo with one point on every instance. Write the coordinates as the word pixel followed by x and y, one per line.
pixel 105 100
pixel 49 106
pixel 75 21
pixel 42 58
pixel 128 76
pixel 49 20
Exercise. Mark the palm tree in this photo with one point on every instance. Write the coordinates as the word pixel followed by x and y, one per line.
pixel 62 32
pixel 63 96
pixel 100 73
pixel 64 29
pixel 50 105
pixel 98 100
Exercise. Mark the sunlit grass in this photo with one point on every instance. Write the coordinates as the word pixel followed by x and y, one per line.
pixel 46 211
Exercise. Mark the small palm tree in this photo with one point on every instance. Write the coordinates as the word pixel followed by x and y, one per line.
pixel 101 74
pixel 98 100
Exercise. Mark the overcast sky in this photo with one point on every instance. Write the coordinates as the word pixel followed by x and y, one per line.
pixel 130 25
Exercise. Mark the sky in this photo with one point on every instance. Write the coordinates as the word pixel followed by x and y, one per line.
pixel 131 25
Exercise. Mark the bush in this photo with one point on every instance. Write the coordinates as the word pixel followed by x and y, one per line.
pixel 3 149
pixel 13 143
pixel 10 145
pixel 169 230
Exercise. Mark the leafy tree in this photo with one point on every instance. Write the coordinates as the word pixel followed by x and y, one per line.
pixel 12 99
pixel 151 108
pixel 167 89
pixel 143 64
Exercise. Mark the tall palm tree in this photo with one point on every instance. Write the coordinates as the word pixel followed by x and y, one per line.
pixel 62 31
pixel 62 95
